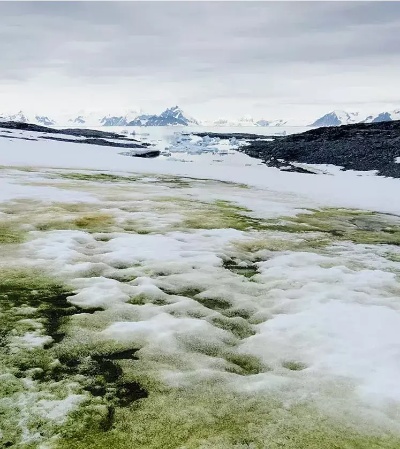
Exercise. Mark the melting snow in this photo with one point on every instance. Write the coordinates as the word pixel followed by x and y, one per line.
pixel 325 322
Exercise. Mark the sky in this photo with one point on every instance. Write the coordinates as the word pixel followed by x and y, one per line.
pixel 272 60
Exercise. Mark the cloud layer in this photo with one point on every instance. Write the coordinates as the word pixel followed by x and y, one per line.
pixel 214 58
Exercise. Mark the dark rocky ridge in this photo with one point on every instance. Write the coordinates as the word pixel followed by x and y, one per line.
pixel 83 132
pixel 360 146
pixel 91 137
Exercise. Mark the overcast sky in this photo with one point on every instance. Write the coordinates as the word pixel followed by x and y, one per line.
pixel 269 59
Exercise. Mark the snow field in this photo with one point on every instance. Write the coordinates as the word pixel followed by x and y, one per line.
pixel 254 322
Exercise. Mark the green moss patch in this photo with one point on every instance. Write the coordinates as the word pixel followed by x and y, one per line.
pixel 245 270
pixel 245 364
pixel 11 233
pixel 238 326
pixel 53 216
pixel 94 222
pixel 142 299
pixel 343 224
pixel 173 182
pixel 217 304
pixel 293 365
pixel 221 215
pixel 394 257
pixel 187 292
pixel 33 302
pixel 99 222
pixel 26 294
pixel 210 417
pixel 97 177
pixel 267 242
pixel 238 312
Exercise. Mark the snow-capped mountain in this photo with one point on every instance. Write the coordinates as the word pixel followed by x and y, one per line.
pixel 384 117
pixel 83 119
pixel 112 120
pixel 175 116
pixel 21 116
pixel 221 122
pixel 141 120
pixel 119 120
pixel 44 120
pixel 18 117
pixel 80 120
pixel 170 117
pixel 337 118
pixel 245 121
pixel 263 122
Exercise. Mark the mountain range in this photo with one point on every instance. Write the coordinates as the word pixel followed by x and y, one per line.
pixel 175 116
pixel 337 118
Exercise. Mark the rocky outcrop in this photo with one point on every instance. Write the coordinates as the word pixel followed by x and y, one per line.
pixel 361 147
pixel 88 136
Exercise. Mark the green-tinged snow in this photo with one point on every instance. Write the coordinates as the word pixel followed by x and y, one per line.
pixel 343 224
pixel 143 315
pixel 210 417
pixel 10 233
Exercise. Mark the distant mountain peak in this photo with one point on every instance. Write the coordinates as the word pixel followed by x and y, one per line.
pixel 19 117
pixel 246 121
pixel 173 116
pixel 339 117
pixel 113 120
pixel 80 120
pixel 44 120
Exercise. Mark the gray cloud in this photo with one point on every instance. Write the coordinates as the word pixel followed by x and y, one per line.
pixel 206 51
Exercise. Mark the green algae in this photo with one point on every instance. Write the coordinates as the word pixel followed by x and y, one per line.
pixel 11 233
pixel 25 208
pixel 393 257
pixel 238 312
pixel 29 301
pixel 55 369
pixel 54 216
pixel 101 375
pixel 207 215
pixel 229 206
pixel 245 270
pixel 137 227
pixel 92 223
pixel 211 417
pixel 238 326
pixel 187 292
pixel 103 237
pixel 172 182
pixel 28 293
pixel 97 177
pixel 201 416
pixel 142 299
pixel 358 226
pixel 331 224
pixel 292 365
pixel 267 242
pixel 221 215
pixel 217 304
pixel 245 364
